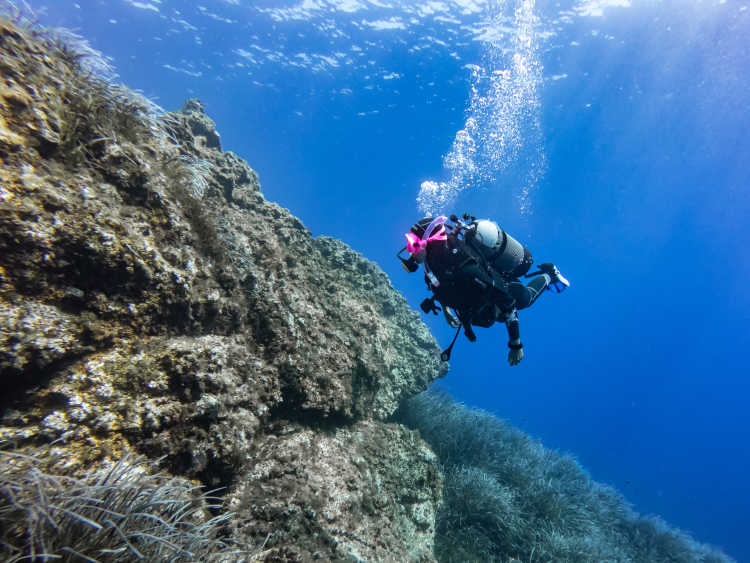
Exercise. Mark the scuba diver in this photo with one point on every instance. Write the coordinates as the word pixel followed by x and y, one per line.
pixel 473 268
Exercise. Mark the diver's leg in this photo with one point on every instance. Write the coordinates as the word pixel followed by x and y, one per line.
pixel 525 295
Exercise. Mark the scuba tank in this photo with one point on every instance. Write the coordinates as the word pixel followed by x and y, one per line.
pixel 502 252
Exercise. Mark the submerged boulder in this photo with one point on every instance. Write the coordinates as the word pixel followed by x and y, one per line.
pixel 152 300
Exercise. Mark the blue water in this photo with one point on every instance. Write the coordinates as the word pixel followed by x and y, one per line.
pixel 610 136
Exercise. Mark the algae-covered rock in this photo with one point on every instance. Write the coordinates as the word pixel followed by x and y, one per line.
pixel 151 299
pixel 370 491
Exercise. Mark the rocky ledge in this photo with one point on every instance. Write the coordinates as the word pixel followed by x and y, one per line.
pixel 153 301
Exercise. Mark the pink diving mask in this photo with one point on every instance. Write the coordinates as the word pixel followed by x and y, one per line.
pixel 434 231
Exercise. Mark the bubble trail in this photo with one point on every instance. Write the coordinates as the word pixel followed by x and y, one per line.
pixel 502 127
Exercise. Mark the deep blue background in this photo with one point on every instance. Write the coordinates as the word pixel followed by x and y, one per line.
pixel 638 370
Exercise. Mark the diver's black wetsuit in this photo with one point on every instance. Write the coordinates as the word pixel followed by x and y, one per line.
pixel 479 295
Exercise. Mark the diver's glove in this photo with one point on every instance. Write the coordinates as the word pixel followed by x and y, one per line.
pixel 515 354
pixel 557 280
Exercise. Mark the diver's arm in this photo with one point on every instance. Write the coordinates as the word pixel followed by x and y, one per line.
pixel 515 354
pixel 511 323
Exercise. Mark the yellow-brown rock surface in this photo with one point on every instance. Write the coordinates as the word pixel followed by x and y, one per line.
pixel 152 300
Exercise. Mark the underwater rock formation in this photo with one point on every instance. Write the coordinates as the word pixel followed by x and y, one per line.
pixel 152 300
